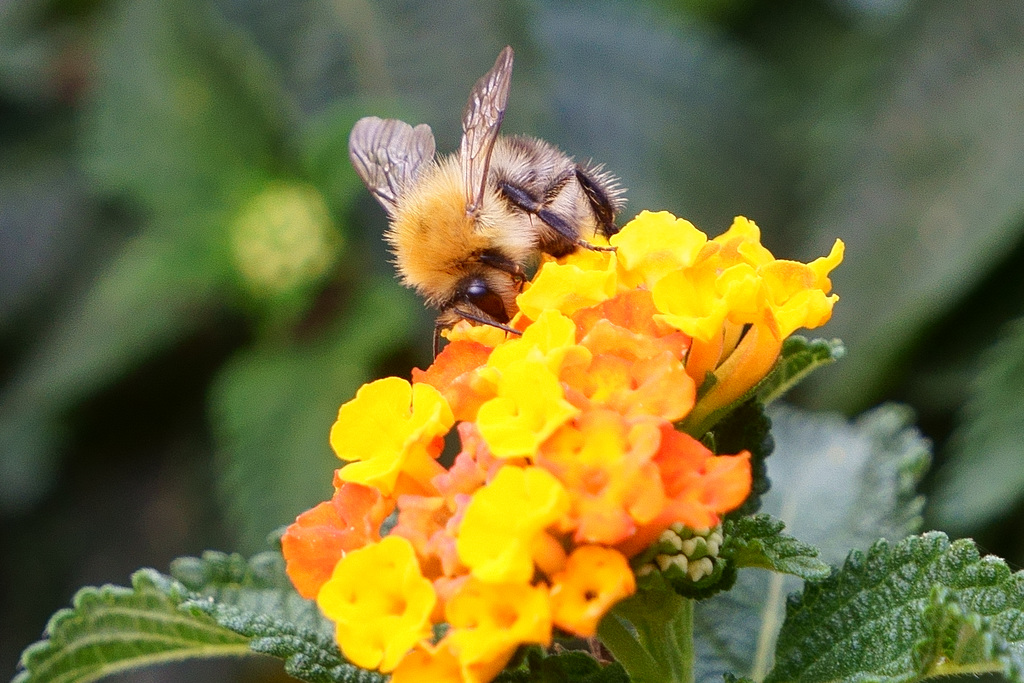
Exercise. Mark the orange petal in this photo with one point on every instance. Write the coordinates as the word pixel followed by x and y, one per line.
pixel 320 537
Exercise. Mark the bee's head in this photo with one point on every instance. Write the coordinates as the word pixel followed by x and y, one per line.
pixel 487 297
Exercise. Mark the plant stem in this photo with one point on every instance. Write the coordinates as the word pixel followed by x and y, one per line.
pixel 651 635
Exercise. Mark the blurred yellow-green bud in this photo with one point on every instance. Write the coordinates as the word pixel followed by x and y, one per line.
pixel 283 240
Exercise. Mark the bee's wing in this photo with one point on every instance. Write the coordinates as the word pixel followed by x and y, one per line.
pixel 387 154
pixel 481 121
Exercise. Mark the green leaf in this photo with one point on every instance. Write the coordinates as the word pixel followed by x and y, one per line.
pixel 982 476
pixel 924 607
pixel 272 409
pixel 112 629
pixel 758 541
pixel 914 163
pixel 214 606
pixel 841 485
pixel 799 357
pixel 837 485
pixel 651 634
pixel 254 598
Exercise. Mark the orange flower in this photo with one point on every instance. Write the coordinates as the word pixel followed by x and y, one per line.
pixel 605 463
pixel 320 537
pixel 452 373
pixel 699 485
pixel 594 579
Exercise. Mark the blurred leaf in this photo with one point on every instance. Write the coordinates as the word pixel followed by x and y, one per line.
pixel 669 104
pixel 841 485
pixel 983 476
pixel 181 119
pixel 916 160
pixel 905 612
pixel 273 408
pixel 151 295
pixel 837 485
pixel 44 220
pixel 184 114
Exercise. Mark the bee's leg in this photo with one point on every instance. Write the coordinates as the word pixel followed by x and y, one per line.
pixel 528 203
pixel 498 261
pixel 600 201
pixel 438 326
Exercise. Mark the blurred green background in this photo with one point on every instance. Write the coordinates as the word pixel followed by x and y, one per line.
pixel 192 278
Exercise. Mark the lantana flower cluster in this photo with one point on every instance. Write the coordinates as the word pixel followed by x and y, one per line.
pixel 574 456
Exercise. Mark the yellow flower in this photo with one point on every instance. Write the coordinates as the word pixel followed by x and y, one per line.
pixel 653 245
pixel 481 334
pixel 391 428
pixel 529 407
pixel 594 579
pixel 380 603
pixel 431 664
pixel 504 529
pixel 585 279
pixel 741 243
pixel 553 336
pixel 689 300
pixel 489 621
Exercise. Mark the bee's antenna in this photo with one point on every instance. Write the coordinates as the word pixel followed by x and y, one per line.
pixel 493 323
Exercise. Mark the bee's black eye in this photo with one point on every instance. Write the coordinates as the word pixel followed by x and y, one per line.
pixel 487 300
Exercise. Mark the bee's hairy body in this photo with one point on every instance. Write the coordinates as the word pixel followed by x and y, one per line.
pixel 464 227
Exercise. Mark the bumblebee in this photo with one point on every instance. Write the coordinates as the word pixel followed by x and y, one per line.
pixel 464 227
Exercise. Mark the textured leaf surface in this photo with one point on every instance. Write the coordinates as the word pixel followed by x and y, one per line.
pixel 920 608
pixel 111 629
pixel 983 475
pixel 837 485
pixel 217 605
pixel 799 358
pixel 758 542
pixel 255 599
